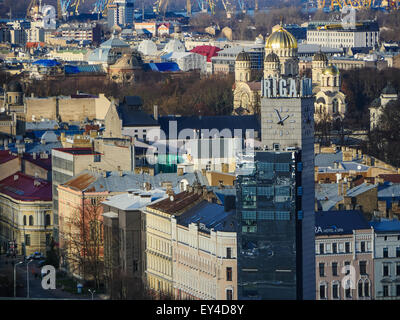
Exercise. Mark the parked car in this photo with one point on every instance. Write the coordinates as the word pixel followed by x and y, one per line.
pixel 38 256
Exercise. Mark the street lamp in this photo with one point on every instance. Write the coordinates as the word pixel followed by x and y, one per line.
pixel 92 292
pixel 27 277
pixel 15 278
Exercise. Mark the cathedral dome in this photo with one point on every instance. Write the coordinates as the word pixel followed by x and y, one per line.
pixel 272 57
pixel 331 70
pixel 243 56
pixel 281 39
pixel 320 56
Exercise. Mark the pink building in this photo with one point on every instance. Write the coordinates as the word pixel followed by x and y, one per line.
pixel 344 256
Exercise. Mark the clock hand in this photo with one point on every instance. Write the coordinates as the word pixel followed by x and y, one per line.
pixel 284 118
pixel 279 116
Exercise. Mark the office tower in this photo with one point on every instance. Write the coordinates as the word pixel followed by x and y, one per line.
pixel 275 198
pixel 120 13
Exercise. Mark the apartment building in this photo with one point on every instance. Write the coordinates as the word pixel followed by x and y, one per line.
pixel 344 247
pixel 387 259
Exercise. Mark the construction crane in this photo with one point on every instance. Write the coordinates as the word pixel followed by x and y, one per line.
pixel 76 5
pixel 33 5
pixel 242 5
pixel 188 8
pixel 211 4
pixel 160 6
pixel 229 8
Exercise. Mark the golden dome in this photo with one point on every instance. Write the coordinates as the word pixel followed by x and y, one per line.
pixel 281 39
pixel 331 70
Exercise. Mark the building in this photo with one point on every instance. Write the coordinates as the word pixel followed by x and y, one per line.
pixel 125 240
pixel 204 255
pixel 344 260
pixel 26 215
pixel 120 13
pixel 187 61
pixel 387 95
pixel 275 190
pixel 386 259
pixel 89 32
pixel 337 35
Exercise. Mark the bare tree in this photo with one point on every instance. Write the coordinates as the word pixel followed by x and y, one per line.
pixel 83 242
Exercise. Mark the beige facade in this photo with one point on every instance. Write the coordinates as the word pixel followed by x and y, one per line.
pixel 204 265
pixel 26 221
pixel 67 108
pixel 333 253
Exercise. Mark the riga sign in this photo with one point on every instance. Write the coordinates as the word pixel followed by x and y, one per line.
pixel 286 88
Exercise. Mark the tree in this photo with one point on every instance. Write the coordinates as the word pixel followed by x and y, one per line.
pixel 52 254
pixel 83 242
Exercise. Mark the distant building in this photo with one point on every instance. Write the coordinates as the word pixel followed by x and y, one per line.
pixel 120 13
pixel 387 95
pixel 331 34
pixel 344 245
pixel 386 259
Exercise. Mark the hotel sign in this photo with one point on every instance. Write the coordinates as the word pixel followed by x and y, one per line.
pixel 286 88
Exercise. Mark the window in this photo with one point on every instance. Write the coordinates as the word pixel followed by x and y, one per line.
pixel 334 247
pixel 228 274
pixel 229 294
pixel 360 289
pixel 335 291
pixel 347 247
pixel 385 270
pixel 31 220
pixel 386 291
pixel 229 253
pixel 266 215
pixel 398 269
pixel 322 269
pixel 322 291
pixel 321 248
pixel 362 246
pixel 398 290
pixel 398 252
pixel 47 220
pixel 347 263
pixel 334 269
pixel 385 252
pixel 282 215
pixel 24 219
pixel 27 240
pixel 366 288
pixel 348 292
pixel 363 267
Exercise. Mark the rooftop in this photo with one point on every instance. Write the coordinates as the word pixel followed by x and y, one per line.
pixel 26 188
pixel 339 222
pixel 5 156
pixel 386 225
pixel 134 199
pixel 180 201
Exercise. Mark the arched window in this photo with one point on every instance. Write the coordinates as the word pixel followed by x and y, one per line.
pixel 360 289
pixel 24 220
pixel 335 106
pixel 47 220
pixel 31 220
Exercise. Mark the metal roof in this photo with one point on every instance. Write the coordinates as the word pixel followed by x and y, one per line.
pixel 339 222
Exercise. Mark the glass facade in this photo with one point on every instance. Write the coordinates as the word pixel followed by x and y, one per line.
pixel 269 235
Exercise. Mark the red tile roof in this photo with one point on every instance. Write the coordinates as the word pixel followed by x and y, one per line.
pixel 208 51
pixel 394 178
pixel 22 187
pixel 5 156
pixel 40 162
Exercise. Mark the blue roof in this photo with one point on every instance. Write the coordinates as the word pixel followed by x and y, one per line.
pixel 92 68
pixel 339 222
pixel 360 189
pixel 327 196
pixel 163 67
pixel 47 63
pixel 386 225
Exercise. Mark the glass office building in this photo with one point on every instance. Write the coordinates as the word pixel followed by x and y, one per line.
pixel 269 218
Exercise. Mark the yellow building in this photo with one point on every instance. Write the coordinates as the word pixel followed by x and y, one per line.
pixel 26 215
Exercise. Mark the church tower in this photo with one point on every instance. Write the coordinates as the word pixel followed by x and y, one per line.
pixel 319 63
pixel 243 67
pixel 272 66
pixel 330 79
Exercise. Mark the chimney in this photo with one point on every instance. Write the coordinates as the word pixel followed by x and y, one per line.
pixel 155 112
pixel 147 186
pixel 15 177
pixel 34 155
pixel 180 171
pixel 36 183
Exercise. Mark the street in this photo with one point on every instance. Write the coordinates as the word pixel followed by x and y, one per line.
pixel 35 288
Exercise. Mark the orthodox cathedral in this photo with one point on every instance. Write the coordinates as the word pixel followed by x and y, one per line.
pixel 281 60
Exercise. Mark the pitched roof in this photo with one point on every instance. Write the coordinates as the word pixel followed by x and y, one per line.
pixel 180 201
pixel 384 225
pixel 6 155
pixel 23 187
